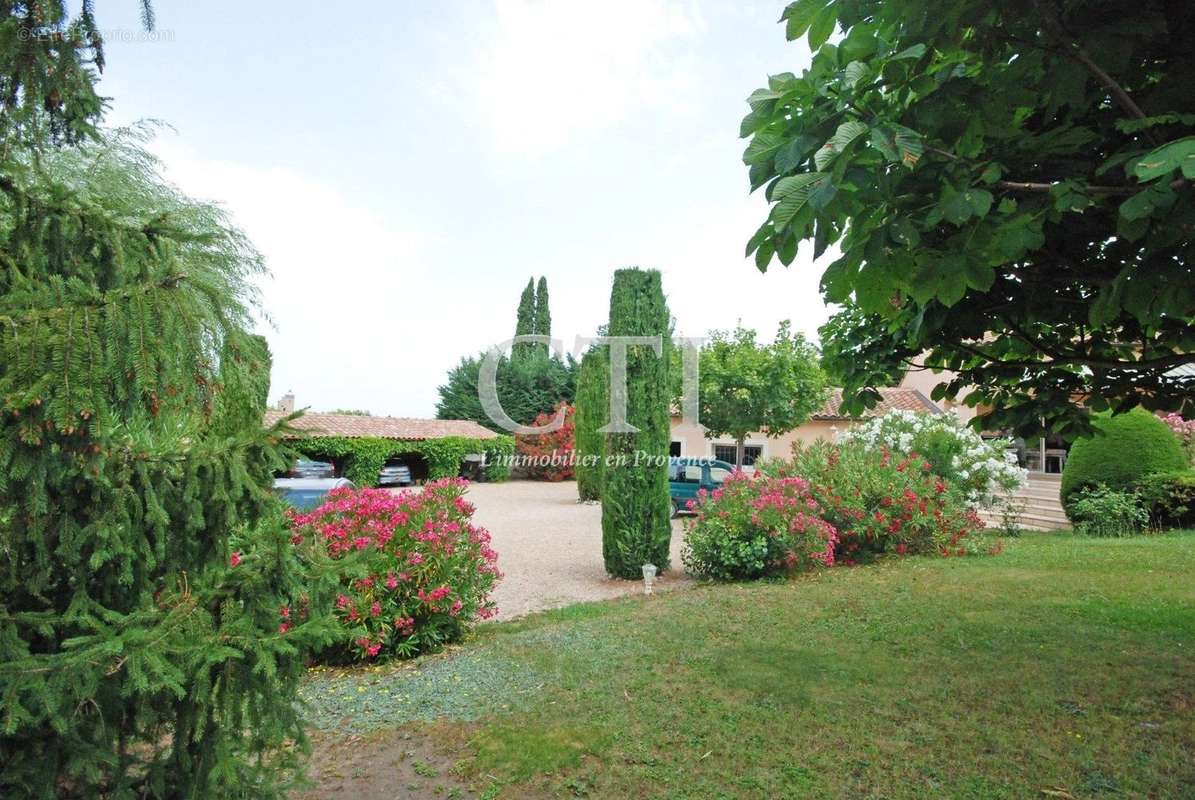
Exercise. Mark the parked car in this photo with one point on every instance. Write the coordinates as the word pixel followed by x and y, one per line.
pixel 687 476
pixel 306 468
pixel 395 473
pixel 305 494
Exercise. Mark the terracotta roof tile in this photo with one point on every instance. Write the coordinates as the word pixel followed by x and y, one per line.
pixel 890 399
pixel 356 426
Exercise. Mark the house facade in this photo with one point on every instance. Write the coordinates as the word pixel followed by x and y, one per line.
pixel 691 441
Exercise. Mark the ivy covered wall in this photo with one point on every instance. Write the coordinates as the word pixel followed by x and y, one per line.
pixel 362 458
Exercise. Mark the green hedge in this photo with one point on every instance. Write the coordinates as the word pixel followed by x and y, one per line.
pixel 363 458
pixel 1125 448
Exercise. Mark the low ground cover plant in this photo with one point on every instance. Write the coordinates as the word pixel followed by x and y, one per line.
pixel 414 569
pixel 1169 498
pixel 1104 511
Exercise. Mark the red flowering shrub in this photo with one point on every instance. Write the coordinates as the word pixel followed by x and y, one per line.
pixel 756 526
pixel 414 569
pixel 880 502
pixel 549 456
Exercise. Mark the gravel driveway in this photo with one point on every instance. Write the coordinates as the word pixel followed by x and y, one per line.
pixel 550 547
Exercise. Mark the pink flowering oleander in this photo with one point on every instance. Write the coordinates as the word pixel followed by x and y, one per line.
pixel 428 569
pixel 755 525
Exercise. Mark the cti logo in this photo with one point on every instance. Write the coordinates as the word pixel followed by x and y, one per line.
pixel 487 383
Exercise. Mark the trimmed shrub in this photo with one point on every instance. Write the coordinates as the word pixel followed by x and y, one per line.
pixel 1169 498
pixel 636 509
pixel 549 456
pixel 882 502
pixel 414 570
pixel 751 527
pixel 592 411
pixel 1124 449
pixel 1101 511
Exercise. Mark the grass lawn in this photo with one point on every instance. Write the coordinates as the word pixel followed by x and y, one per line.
pixel 1063 668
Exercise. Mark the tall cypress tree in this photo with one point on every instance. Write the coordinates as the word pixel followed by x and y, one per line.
pixel 543 315
pixel 525 321
pixel 592 412
pixel 636 509
pixel 145 560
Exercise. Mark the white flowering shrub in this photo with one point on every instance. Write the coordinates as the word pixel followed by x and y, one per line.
pixel 983 469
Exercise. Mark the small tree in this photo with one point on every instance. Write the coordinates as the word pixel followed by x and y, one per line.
pixel 592 413
pixel 747 387
pixel 636 509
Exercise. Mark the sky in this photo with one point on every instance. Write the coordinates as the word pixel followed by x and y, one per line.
pixel 405 173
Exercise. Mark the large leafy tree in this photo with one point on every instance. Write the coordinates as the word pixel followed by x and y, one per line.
pixel 527 387
pixel 636 509
pixel 1010 187
pixel 746 386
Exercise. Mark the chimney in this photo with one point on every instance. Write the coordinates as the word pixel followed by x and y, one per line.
pixel 287 404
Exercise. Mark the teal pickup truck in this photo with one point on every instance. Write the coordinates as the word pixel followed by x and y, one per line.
pixel 687 476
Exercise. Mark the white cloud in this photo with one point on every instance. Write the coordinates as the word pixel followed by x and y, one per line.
pixel 548 73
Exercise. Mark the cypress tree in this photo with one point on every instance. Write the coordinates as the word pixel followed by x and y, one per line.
pixel 543 315
pixel 525 321
pixel 592 413
pixel 636 509
pixel 146 562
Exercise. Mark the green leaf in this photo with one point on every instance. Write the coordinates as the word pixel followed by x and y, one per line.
pixel 916 51
pixel 792 193
pixel 760 97
pixel 855 72
pixel 903 231
pixel 991 173
pixel 1145 203
pixel 839 278
pixel 764 255
pixel 847 133
pixel 799 15
pixel 762 147
pixel 1179 154
pixel 883 140
pixel 910 145
pixel 956 206
pixel 822 26
pixel 951 280
pixel 980 200
pixel 792 154
pixel 788 250
pixel 980 276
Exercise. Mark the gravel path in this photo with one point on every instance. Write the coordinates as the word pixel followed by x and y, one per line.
pixel 550 547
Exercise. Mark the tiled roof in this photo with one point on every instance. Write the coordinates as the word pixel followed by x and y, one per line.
pixel 356 426
pixel 890 399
